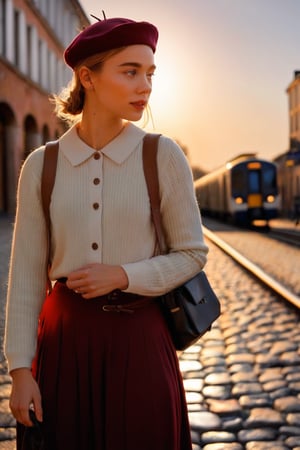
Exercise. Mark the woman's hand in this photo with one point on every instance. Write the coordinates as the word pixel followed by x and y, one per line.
pixel 95 280
pixel 25 393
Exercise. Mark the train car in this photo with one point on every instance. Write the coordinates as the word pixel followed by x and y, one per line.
pixel 244 190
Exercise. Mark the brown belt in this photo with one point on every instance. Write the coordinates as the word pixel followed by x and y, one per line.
pixel 130 307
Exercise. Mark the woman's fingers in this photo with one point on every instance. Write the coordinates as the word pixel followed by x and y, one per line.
pixel 95 280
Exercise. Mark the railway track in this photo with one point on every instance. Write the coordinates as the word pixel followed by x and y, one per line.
pixel 254 269
pixel 291 237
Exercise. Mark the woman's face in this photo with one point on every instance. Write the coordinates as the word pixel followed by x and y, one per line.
pixel 122 86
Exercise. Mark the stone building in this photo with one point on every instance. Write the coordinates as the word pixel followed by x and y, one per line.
pixel 288 163
pixel 33 35
pixel 293 92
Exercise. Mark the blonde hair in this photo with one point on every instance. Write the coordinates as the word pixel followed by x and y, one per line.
pixel 70 101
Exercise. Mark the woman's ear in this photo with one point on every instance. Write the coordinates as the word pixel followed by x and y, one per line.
pixel 85 78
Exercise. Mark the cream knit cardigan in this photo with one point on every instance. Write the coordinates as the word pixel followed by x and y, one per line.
pixel 100 212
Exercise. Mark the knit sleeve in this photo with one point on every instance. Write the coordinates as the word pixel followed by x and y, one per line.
pixel 182 223
pixel 27 273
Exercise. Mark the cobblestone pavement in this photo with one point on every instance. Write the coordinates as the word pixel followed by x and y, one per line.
pixel 242 379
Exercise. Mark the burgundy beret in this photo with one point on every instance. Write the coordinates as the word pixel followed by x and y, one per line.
pixel 109 34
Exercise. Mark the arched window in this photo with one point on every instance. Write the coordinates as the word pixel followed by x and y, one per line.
pixel 45 134
pixel 7 145
pixel 31 136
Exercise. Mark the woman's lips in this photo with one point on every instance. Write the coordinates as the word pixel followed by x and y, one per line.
pixel 140 105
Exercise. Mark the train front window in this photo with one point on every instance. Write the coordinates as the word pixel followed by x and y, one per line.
pixel 254 181
pixel 269 178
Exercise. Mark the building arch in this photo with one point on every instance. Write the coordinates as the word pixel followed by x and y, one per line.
pixel 31 135
pixel 45 134
pixel 7 157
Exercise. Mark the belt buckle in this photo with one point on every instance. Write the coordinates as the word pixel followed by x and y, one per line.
pixel 117 308
pixel 108 308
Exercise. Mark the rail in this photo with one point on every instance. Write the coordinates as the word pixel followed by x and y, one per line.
pixel 291 237
pixel 253 268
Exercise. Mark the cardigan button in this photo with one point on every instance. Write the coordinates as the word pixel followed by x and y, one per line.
pixel 96 181
pixel 97 155
pixel 95 246
pixel 96 205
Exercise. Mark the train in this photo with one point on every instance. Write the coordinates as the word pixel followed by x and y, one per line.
pixel 242 191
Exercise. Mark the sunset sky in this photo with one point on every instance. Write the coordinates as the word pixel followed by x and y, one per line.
pixel 223 69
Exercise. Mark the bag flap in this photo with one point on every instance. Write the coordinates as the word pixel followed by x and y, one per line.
pixel 199 289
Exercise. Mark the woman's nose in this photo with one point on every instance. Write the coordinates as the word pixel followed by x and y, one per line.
pixel 145 85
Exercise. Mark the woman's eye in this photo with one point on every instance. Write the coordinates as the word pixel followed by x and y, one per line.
pixel 131 73
pixel 150 75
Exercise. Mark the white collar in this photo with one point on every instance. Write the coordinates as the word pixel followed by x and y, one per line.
pixel 118 150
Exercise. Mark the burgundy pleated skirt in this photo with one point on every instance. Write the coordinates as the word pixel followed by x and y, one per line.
pixel 109 380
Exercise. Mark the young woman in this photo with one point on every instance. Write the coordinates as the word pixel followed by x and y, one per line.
pixel 96 379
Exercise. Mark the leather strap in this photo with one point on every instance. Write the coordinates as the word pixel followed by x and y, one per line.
pixel 150 148
pixel 47 183
pixel 48 177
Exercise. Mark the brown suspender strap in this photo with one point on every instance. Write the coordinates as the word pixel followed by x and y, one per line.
pixel 47 183
pixel 48 177
pixel 151 175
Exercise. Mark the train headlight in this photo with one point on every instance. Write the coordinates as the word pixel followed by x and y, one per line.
pixel 239 200
pixel 270 198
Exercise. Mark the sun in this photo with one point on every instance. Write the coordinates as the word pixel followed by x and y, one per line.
pixel 165 94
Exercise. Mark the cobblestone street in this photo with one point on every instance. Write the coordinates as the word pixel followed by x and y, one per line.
pixel 245 373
